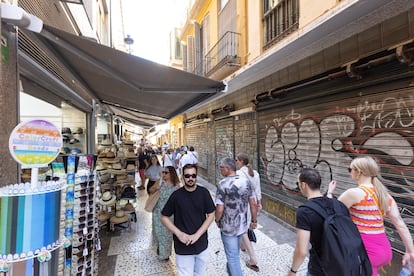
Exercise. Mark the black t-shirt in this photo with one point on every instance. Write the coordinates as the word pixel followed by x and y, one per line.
pixel 307 219
pixel 141 157
pixel 190 210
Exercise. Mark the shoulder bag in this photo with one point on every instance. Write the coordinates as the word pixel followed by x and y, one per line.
pixel 152 201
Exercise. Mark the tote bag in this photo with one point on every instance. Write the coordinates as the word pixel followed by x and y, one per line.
pixel 152 201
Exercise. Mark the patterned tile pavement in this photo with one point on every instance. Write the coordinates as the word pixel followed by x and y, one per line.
pixel 128 252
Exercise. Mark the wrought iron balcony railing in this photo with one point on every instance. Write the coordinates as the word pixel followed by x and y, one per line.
pixel 224 52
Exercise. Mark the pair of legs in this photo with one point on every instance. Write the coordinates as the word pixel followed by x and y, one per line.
pixel 232 250
pixel 247 245
pixel 142 176
pixel 188 265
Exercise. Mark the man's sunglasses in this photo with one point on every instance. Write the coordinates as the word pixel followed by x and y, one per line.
pixel 190 175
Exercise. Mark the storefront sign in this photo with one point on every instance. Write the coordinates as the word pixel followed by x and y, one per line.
pixel 35 143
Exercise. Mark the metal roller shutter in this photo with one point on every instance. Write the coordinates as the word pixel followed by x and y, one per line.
pixel 326 133
pixel 224 142
pixel 197 137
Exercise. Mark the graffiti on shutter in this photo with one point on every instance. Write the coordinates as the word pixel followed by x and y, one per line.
pixel 327 135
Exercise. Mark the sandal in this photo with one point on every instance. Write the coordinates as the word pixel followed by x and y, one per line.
pixel 252 267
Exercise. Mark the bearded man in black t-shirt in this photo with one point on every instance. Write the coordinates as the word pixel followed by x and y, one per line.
pixel 193 210
pixel 309 224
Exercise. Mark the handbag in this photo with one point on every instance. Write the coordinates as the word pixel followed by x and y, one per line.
pixel 251 235
pixel 152 201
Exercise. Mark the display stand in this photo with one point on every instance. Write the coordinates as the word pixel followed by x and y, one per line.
pixel 81 226
pixel 30 212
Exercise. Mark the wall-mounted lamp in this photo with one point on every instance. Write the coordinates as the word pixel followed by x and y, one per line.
pixel 14 15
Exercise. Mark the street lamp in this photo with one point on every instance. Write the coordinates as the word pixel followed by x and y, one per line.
pixel 129 41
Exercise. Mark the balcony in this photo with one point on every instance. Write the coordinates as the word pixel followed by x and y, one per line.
pixel 223 59
pixel 280 21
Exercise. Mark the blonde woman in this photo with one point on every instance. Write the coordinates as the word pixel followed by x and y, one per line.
pixel 245 170
pixel 368 204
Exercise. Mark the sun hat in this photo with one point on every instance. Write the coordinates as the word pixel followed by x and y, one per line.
pixel 128 142
pixel 66 130
pixel 121 177
pixel 117 166
pixel 184 148
pixel 79 130
pixel 130 167
pixel 110 154
pixel 107 199
pixel 103 215
pixel 119 217
pixel 103 178
pixel 129 207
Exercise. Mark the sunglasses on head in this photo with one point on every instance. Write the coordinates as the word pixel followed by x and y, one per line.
pixel 190 175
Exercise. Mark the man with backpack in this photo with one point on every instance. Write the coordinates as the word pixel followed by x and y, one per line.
pixel 337 248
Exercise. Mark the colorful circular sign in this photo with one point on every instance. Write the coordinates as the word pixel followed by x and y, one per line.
pixel 35 143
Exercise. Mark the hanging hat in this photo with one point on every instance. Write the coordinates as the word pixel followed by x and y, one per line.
pixel 119 217
pixel 130 168
pixel 107 199
pixel 79 130
pixel 117 166
pixel 129 207
pixel 104 215
pixel 110 154
pixel 66 130
pixel 104 177
pixel 121 177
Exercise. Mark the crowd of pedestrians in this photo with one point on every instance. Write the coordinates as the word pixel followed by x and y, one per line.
pixel 185 211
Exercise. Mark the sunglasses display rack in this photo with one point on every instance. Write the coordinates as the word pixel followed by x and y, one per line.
pixel 81 222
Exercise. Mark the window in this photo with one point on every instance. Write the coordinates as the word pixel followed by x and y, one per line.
pixel 280 18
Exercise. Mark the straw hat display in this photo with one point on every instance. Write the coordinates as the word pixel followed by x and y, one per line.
pixel 110 154
pixel 119 217
pixel 107 199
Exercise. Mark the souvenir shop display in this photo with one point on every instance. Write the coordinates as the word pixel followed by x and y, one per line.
pixel 31 212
